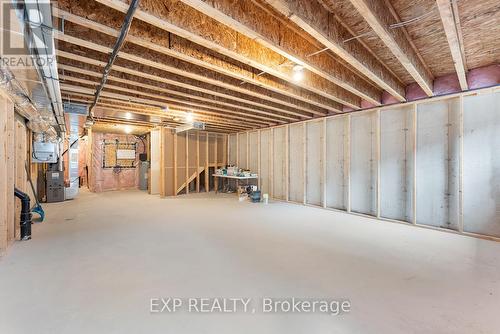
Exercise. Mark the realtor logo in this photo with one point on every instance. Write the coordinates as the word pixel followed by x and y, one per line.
pixel 26 30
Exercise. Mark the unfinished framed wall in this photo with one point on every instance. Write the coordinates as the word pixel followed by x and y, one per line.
pixel 337 162
pixel 363 164
pixel 232 148
pixel 253 151
pixel 437 167
pixel 397 138
pixel 189 160
pixel 242 161
pixel 431 163
pixel 481 164
pixel 296 165
pixel 279 164
pixel 314 163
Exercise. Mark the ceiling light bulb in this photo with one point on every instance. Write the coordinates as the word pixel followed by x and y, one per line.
pixel 298 72
pixel 127 129
pixel 189 117
pixel 128 115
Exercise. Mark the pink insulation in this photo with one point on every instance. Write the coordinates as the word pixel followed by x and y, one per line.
pixel 104 179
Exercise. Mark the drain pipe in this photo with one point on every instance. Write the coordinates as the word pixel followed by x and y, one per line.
pixel 25 214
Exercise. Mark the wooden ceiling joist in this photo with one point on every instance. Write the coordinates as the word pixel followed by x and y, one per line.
pixel 188 23
pixel 151 102
pixel 250 20
pixel 194 72
pixel 316 20
pixel 448 17
pixel 194 85
pixel 169 100
pixel 379 19
pixel 254 113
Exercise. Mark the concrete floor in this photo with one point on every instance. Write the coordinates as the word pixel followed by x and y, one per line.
pixel 96 262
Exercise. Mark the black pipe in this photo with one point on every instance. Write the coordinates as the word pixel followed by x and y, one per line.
pixel 25 214
pixel 118 45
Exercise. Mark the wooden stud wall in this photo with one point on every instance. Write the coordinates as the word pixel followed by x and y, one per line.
pixel 347 144
pixel 188 158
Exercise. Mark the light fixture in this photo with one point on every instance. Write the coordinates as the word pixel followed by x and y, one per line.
pixel 127 129
pixel 189 117
pixel 298 72
pixel 128 115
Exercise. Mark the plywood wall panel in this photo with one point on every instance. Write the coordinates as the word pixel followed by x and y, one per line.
pixel 313 162
pixel 296 162
pixel 481 172
pixel 336 163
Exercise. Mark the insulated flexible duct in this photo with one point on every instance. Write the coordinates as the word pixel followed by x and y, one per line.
pixel 24 105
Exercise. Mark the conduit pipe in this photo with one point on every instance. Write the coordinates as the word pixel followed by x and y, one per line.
pixel 25 222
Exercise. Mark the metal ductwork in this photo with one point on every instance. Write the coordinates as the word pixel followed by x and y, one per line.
pixel 24 105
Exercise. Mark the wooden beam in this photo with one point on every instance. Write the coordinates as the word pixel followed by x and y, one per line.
pixel 379 19
pixel 255 23
pixel 83 90
pixel 214 36
pixel 448 17
pixel 182 54
pixel 316 20
pixel 254 113
pixel 163 159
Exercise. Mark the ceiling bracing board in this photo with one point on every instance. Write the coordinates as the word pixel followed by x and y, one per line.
pixel 448 17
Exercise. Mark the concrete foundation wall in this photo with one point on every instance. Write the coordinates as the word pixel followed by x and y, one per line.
pixel 481 164
pixel 337 158
pixel 396 163
pixel 296 163
pixel 364 163
pixel 314 149
pixel 401 163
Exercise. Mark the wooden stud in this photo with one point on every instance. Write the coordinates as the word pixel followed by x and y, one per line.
pixel 207 168
pixel 187 162
pixel 415 143
pixel 323 164
pixel 461 169
pixel 287 162
pixel 175 164
pixel 197 161
pixel 304 162
pixel 258 160
pixel 379 148
pixel 348 161
pixel 163 159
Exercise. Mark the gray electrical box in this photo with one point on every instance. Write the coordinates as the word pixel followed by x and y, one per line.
pixel 55 186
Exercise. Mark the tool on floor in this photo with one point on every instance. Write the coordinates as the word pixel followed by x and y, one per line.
pixel 37 208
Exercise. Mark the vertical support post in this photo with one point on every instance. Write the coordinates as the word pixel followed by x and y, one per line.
pixel 162 162
pixel 187 162
pixel 238 150
pixel 287 162
pixel 378 161
pixel 415 137
pixel 90 159
pixel 248 150
pixel 348 161
pixel 224 150
pixel 216 157
pixel 10 160
pixel 258 159
pixel 304 162
pixel 461 168
pixel 197 161
pixel 323 163
pixel 207 168
pixel 175 164
pixel 271 163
